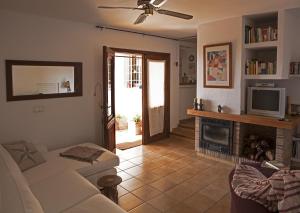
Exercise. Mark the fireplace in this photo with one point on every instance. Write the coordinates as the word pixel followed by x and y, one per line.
pixel 216 135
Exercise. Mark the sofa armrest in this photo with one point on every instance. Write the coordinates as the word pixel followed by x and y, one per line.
pixel 239 204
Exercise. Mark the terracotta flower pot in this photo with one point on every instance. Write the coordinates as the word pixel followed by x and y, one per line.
pixel 138 128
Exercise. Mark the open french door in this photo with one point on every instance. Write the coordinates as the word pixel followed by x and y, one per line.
pixel 156 96
pixel 155 92
pixel 108 101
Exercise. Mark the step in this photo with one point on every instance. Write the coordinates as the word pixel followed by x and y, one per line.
pixel 184 132
pixel 189 123
pixel 184 139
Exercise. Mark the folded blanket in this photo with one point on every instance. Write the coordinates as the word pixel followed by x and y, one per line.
pixel 280 192
pixel 82 153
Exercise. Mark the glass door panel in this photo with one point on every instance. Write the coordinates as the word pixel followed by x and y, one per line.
pixel 156 96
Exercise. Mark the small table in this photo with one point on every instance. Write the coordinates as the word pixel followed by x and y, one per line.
pixel 109 184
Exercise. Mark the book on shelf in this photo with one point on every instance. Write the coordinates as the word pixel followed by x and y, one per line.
pixel 295 68
pixel 296 148
pixel 260 34
pixel 256 67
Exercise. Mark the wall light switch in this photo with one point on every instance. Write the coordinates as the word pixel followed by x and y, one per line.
pixel 35 109
pixel 38 109
pixel 42 109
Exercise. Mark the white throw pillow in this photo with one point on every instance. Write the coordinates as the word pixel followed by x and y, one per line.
pixel 25 154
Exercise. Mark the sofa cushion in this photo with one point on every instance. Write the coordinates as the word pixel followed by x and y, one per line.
pixel 56 164
pixel 25 154
pixel 62 191
pixel 16 196
pixel 96 204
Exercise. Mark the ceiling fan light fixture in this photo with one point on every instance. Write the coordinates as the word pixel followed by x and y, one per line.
pixel 149 7
pixel 149 11
pixel 158 3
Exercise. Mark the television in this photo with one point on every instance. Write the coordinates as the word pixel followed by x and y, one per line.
pixel 266 101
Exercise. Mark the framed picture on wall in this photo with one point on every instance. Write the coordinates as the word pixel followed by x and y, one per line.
pixel 217 65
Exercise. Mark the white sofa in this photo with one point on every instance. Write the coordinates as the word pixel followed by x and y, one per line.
pixel 59 185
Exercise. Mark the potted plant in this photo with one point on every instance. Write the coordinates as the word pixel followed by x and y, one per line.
pixel 138 124
pixel 121 122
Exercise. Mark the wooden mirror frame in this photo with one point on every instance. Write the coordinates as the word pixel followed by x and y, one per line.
pixel 9 81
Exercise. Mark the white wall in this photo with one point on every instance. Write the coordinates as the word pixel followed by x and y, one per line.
pixel 186 98
pixel 66 120
pixel 228 30
pixel 187 93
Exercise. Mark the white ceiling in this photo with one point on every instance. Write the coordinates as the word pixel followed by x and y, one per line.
pixel 202 10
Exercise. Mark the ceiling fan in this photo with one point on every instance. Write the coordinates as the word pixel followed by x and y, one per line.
pixel 149 7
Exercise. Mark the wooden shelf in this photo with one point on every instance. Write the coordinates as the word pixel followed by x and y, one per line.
pixel 291 123
pixel 295 160
pixel 294 76
pixel 262 45
pixel 261 76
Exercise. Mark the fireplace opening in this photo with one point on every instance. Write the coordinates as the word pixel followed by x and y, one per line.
pixel 216 135
pixel 259 143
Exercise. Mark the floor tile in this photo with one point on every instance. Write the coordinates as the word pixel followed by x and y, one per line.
pixel 213 192
pixel 126 165
pixel 135 170
pixel 124 175
pixel 121 191
pixel 147 177
pixel 139 160
pixel 162 202
pixel 178 177
pixel 199 202
pixel 182 208
pixel 181 192
pixel 144 208
pixel 149 165
pixel 222 206
pixel 163 171
pixel 132 184
pixel 146 192
pixel 129 201
pixel 163 184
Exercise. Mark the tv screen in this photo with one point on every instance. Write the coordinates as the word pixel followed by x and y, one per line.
pixel 265 100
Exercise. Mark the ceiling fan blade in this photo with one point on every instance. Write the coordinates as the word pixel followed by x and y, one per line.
pixel 175 14
pixel 141 18
pixel 158 3
pixel 128 8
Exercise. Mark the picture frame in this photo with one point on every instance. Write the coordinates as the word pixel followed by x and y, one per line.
pixel 217 65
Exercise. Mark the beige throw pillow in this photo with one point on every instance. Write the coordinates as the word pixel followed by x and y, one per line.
pixel 25 154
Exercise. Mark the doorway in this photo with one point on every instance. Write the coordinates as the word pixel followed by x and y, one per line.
pixel 128 100
pixel 136 97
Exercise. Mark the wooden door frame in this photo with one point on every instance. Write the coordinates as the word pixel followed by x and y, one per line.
pixel 145 116
pixel 108 121
pixel 166 131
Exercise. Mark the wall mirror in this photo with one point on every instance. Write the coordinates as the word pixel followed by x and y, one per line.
pixel 27 80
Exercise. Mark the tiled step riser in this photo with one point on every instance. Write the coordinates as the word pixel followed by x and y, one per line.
pixel 184 132
pixel 187 126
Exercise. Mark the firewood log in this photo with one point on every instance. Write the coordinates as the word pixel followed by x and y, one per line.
pixel 270 155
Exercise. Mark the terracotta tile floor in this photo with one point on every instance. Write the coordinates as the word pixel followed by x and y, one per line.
pixel 168 176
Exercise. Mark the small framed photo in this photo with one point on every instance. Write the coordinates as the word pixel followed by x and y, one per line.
pixel 217 65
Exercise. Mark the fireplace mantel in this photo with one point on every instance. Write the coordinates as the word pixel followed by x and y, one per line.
pixel 291 123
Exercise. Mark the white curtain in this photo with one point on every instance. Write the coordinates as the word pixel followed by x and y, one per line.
pixel 156 94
